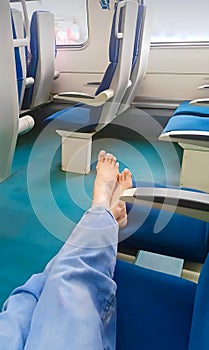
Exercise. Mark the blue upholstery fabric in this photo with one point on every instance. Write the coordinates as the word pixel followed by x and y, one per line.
pixel 79 119
pixel 137 35
pixel 33 57
pixel 114 47
pixel 89 116
pixel 114 51
pixel 154 310
pixel 19 71
pixel 33 62
pixel 199 337
pixel 186 108
pixel 187 122
pixel 113 57
pixel 181 237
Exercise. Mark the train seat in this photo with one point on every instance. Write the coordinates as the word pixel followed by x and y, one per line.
pixel 160 232
pixel 160 311
pixel 191 132
pixel 20 60
pixel 26 123
pixel 188 108
pixel 41 65
pixel 172 221
pixel 140 57
pixel 92 113
pixel 13 83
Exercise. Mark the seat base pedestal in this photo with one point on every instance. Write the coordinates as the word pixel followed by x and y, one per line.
pixel 76 151
pixel 195 168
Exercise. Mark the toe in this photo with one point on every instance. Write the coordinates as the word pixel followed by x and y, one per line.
pixel 101 155
pixel 127 173
pixel 109 157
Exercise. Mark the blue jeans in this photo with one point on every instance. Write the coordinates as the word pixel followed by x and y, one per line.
pixel 71 304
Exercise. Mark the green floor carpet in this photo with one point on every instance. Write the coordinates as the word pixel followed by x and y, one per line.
pixel 40 204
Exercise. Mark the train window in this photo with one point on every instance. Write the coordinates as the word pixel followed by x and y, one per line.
pixel 71 20
pixel 182 21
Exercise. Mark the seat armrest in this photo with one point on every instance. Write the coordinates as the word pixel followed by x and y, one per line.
pixel 184 202
pixel 29 82
pixel 94 101
pixel 205 86
pixel 200 102
pixel 56 74
pixel 26 123
pixel 92 83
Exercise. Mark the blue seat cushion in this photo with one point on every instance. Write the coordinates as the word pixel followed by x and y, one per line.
pixel 154 310
pixel 73 119
pixel 186 108
pixel 187 122
pixel 170 233
pixel 199 336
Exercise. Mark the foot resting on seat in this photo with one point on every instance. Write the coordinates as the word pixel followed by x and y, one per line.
pixel 109 185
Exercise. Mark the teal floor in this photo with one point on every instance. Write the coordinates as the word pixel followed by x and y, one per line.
pixel 40 204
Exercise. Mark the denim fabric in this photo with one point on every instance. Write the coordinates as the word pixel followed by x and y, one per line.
pixel 71 304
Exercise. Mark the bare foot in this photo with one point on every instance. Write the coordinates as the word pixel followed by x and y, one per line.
pixel 118 207
pixel 105 182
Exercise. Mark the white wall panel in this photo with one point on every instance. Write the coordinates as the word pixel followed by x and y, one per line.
pixel 90 61
pixel 173 72
pixel 176 73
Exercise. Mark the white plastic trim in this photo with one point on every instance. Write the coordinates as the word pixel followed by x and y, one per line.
pixel 26 123
pixel 119 35
pixel 200 102
pixel 9 112
pixel 24 41
pixel 170 199
pixel 206 86
pixel 172 136
pixel 29 82
pixel 95 101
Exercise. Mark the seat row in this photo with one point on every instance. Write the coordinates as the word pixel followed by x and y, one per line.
pixel 29 73
pixel 155 310
pixel 113 96
pixel 35 64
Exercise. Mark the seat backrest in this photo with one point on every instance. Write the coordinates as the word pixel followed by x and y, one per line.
pixel 41 64
pixel 199 336
pixel 154 309
pixel 9 111
pixel 140 56
pixel 117 75
pixel 20 59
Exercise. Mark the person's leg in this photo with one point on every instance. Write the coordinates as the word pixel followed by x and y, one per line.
pixel 16 315
pixel 15 321
pixel 76 309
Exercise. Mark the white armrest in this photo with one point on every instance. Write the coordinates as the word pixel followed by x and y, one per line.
pixel 205 86
pixel 95 101
pixel 129 83
pixel 56 74
pixel 189 203
pixel 29 82
pixel 92 83
pixel 26 123
pixel 200 102
pixel 191 137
